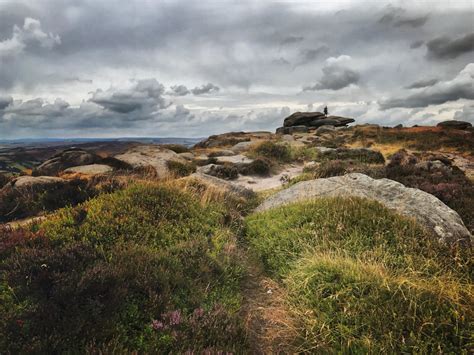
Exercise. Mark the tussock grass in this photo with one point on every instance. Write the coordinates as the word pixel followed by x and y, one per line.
pixel 360 278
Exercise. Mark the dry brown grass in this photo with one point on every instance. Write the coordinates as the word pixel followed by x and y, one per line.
pixel 270 327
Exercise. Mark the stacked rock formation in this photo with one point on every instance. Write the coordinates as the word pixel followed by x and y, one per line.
pixel 301 122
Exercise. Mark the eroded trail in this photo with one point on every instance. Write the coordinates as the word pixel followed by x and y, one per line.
pixel 270 329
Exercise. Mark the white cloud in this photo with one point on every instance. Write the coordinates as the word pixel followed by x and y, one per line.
pixel 29 35
pixel 336 75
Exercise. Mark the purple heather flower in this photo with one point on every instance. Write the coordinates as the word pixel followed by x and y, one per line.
pixel 198 312
pixel 157 325
pixel 175 317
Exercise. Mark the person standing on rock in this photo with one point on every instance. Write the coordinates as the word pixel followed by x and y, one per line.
pixel 325 111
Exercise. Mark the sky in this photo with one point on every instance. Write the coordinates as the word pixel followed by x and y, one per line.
pixel 124 68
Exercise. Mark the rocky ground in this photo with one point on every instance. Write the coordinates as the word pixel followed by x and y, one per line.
pixel 234 157
pixel 424 174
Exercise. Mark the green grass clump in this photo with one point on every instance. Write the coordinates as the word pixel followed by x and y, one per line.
pixel 360 278
pixel 149 268
pixel 304 153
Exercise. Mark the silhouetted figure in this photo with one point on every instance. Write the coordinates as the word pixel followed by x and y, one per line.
pixel 325 111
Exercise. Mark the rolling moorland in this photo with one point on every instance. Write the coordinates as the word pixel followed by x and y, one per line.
pixel 320 238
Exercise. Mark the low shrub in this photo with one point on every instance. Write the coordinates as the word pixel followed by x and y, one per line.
pixel 177 148
pixel 359 278
pixel 227 171
pixel 330 168
pixel 23 203
pixel 203 162
pixel 363 155
pixel 273 151
pixel 448 183
pixel 260 167
pixel 15 204
pixel 179 169
pixel 3 180
pixel 421 138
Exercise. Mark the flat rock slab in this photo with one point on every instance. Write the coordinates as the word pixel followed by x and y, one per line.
pixel 186 155
pixel 428 210
pixel 242 147
pixel 257 183
pixel 151 155
pixel 236 159
pixel 224 185
pixel 91 169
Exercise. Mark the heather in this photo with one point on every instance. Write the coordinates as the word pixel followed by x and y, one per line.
pixel 150 268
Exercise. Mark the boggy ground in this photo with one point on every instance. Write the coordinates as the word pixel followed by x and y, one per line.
pixel 183 264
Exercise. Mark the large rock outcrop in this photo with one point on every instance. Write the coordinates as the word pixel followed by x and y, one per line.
pixel 152 156
pixel 302 118
pixel 425 208
pixel 292 130
pixel 342 121
pixel 32 183
pixel 66 159
pixel 455 124
pixel 311 119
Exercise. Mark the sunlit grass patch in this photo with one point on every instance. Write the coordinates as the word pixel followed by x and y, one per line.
pixel 349 264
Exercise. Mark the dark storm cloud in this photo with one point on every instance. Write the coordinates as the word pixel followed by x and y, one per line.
pixel 447 48
pixel 291 40
pixel 412 22
pixel 416 44
pixel 398 18
pixel 144 94
pixel 308 55
pixel 422 83
pixel 280 61
pixel 461 87
pixel 336 75
pixel 182 90
pixel 179 90
pixel 391 15
pixel 5 102
pixel 205 89
pixel 38 107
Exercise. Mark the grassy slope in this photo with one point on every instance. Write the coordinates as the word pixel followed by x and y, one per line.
pixel 360 278
pixel 148 268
